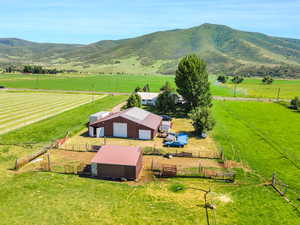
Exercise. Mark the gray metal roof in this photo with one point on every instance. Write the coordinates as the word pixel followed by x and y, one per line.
pixel 137 113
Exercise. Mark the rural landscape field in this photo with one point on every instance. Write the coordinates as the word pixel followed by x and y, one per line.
pixel 150 112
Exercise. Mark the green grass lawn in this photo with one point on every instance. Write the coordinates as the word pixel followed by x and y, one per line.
pixel 266 136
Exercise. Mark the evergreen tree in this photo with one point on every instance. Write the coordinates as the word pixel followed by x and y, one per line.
pixel 137 89
pixel 202 120
pixel 134 100
pixel 192 82
pixel 166 102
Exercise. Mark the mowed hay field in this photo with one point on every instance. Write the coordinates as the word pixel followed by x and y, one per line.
pixel 20 109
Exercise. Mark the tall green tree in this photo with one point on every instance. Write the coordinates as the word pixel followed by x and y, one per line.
pixel 166 102
pixel 192 82
pixel 203 120
pixel 134 100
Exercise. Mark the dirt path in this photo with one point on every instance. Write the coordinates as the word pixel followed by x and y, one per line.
pixel 65 91
pixel 117 108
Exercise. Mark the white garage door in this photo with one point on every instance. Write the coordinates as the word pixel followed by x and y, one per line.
pixel 120 130
pixel 91 131
pixel 100 132
pixel 145 134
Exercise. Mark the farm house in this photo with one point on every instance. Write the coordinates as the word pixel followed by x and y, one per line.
pixel 133 123
pixel 115 162
pixel 148 98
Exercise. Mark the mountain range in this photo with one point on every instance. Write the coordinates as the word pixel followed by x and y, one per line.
pixel 222 47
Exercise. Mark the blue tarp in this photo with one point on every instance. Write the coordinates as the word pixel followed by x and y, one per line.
pixel 183 138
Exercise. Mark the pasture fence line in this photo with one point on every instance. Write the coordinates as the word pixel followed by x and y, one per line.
pixel 282 188
pixel 79 147
pixel 27 159
pixel 176 170
pixel 185 154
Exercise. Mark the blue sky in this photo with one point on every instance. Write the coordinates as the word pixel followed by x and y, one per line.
pixel 87 21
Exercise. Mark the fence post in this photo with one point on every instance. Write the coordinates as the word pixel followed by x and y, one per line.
pixel 17 164
pixel 274 179
pixel 49 162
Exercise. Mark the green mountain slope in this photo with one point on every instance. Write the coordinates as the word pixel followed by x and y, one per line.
pixel 223 47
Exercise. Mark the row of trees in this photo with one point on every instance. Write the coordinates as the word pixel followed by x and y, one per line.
pixel 34 69
pixel 239 79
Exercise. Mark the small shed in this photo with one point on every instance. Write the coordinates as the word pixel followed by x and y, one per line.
pixel 116 162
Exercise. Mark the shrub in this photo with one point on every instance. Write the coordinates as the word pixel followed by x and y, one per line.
pixel 295 103
pixel 267 80
pixel 222 79
pixel 177 187
pixel 237 79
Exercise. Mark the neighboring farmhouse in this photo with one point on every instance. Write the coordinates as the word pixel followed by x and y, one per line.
pixel 133 123
pixel 113 162
pixel 148 98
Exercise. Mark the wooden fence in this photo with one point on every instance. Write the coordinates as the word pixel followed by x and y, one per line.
pixel 171 170
pixel 23 161
pixel 79 147
pixel 186 154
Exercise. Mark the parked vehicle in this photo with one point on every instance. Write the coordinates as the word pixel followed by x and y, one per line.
pixel 170 138
pixel 166 118
pixel 177 144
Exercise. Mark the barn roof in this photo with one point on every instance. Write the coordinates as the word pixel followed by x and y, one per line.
pixel 136 115
pixel 117 155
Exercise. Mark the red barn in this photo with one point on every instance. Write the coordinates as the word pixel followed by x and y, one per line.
pixel 115 162
pixel 133 123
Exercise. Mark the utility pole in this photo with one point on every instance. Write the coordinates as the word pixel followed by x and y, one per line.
pixel 278 94
pixel 235 90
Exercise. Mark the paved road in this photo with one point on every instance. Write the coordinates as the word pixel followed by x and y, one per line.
pixel 64 91
pixel 221 98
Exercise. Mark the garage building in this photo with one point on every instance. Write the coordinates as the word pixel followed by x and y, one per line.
pixel 133 123
pixel 115 162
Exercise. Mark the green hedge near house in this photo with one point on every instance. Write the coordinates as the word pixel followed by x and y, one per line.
pixel 57 127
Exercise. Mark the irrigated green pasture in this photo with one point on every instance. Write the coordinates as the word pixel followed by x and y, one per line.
pixel 287 89
pixel 102 83
pixel 264 135
pixel 244 130
pixel 20 109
